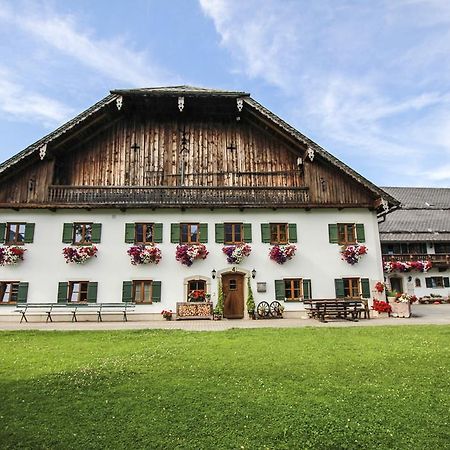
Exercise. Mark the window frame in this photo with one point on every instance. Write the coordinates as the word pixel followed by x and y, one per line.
pixel 191 289
pixel 3 290
pixel 233 240
pixel 343 233
pixel 275 233
pixel 189 233
pixel 292 288
pixel 353 283
pixel 145 226
pixel 435 285
pixel 70 291
pixel 143 300
pixel 83 240
pixel 16 233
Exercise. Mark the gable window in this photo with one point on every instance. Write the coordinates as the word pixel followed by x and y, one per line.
pixel 142 291
pixel 233 233
pixel 278 233
pixel 78 291
pixel 9 291
pixel 346 233
pixel 15 233
pixel 82 233
pixel 196 291
pixel 437 282
pixel 189 233
pixel 143 233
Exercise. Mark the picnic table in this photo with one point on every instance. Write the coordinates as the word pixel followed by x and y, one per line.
pixel 347 309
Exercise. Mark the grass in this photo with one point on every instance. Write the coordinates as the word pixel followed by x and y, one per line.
pixel 327 388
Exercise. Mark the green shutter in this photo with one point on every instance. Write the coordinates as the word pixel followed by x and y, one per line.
pixel 247 227
pixel 62 291
pixel 292 232
pixel 96 233
pixel 360 235
pixel 129 233
pixel 365 288
pixel 265 232
pixel 2 232
pixel 307 290
pixel 333 233
pixel 446 282
pixel 279 290
pixel 67 233
pixel 92 292
pixel 22 293
pixel 127 291
pixel 175 233
pixel 156 291
pixel 157 233
pixel 220 233
pixel 339 286
pixel 203 230
pixel 29 233
pixel 428 282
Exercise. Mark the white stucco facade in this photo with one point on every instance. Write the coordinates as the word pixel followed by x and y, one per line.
pixel 316 259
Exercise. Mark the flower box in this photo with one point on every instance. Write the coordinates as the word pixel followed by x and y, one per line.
pixel 79 255
pixel 140 254
pixel 236 253
pixel 353 253
pixel 282 253
pixel 188 253
pixel 11 255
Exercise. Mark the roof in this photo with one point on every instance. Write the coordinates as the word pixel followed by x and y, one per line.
pixel 189 91
pixel 424 215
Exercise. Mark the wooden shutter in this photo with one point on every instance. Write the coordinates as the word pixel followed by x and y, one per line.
pixel 428 282
pixel 157 233
pixel 446 282
pixel 127 291
pixel 62 291
pixel 156 291
pixel 29 233
pixel 292 232
pixel 265 232
pixel 175 233
pixel 67 236
pixel 2 232
pixel 307 290
pixel 203 230
pixel 96 233
pixel 220 233
pixel 129 233
pixel 279 290
pixel 360 234
pixel 247 228
pixel 22 292
pixel 339 286
pixel 92 292
pixel 333 233
pixel 365 288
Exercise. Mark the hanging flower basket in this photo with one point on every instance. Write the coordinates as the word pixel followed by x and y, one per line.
pixel 282 253
pixel 11 255
pixel 353 253
pixel 140 254
pixel 379 287
pixel 187 254
pixel 400 266
pixel 79 255
pixel 381 306
pixel 236 253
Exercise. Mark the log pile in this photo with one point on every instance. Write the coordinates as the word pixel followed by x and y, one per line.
pixel 194 310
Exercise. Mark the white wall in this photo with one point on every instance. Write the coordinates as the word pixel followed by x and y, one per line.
pixel 316 258
pixel 410 288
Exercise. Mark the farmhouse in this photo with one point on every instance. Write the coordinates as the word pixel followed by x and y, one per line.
pixel 415 241
pixel 164 195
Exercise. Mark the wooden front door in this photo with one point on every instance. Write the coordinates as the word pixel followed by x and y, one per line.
pixel 233 295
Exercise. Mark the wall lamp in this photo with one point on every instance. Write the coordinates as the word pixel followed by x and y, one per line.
pixel 213 274
pixel 253 273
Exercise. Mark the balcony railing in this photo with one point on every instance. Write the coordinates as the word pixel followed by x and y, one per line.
pixel 434 258
pixel 162 196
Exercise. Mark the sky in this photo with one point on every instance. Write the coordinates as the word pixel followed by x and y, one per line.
pixel 368 80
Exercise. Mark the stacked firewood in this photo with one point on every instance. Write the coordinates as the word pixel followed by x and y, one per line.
pixel 191 310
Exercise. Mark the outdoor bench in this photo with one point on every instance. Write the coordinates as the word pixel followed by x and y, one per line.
pixel 334 309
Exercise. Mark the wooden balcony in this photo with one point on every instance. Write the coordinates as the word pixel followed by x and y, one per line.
pixel 163 196
pixel 436 259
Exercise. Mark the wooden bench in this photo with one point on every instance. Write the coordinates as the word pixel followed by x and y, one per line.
pixel 334 309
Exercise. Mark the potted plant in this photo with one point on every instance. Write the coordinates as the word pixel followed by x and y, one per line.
pixel 167 314
pixel 250 301
pixel 382 308
pixel 391 296
pixel 218 309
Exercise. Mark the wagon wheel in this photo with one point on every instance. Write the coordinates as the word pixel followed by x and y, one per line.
pixel 263 309
pixel 275 309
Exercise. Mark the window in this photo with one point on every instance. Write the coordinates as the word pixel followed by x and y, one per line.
pixel 78 291
pixel 196 291
pixel 143 233
pixel 15 233
pixel 437 282
pixel 442 248
pixel 189 233
pixel 352 288
pixel 142 291
pixel 82 233
pixel 417 282
pixel 404 248
pixel 346 233
pixel 233 233
pixel 293 289
pixel 278 233
pixel 9 291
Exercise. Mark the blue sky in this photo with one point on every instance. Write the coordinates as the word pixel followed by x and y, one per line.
pixel 367 80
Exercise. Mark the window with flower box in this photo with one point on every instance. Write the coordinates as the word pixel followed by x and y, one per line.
pixel 293 289
pixel 77 292
pixel 437 282
pixel 143 233
pixel 141 291
pixel 278 233
pixel 196 291
pixel 346 233
pixel 13 292
pixel 352 287
pixel 16 233
pixel 189 233
pixel 82 233
pixel 233 233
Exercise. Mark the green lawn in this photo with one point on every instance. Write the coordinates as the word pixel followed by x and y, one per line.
pixel 324 388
